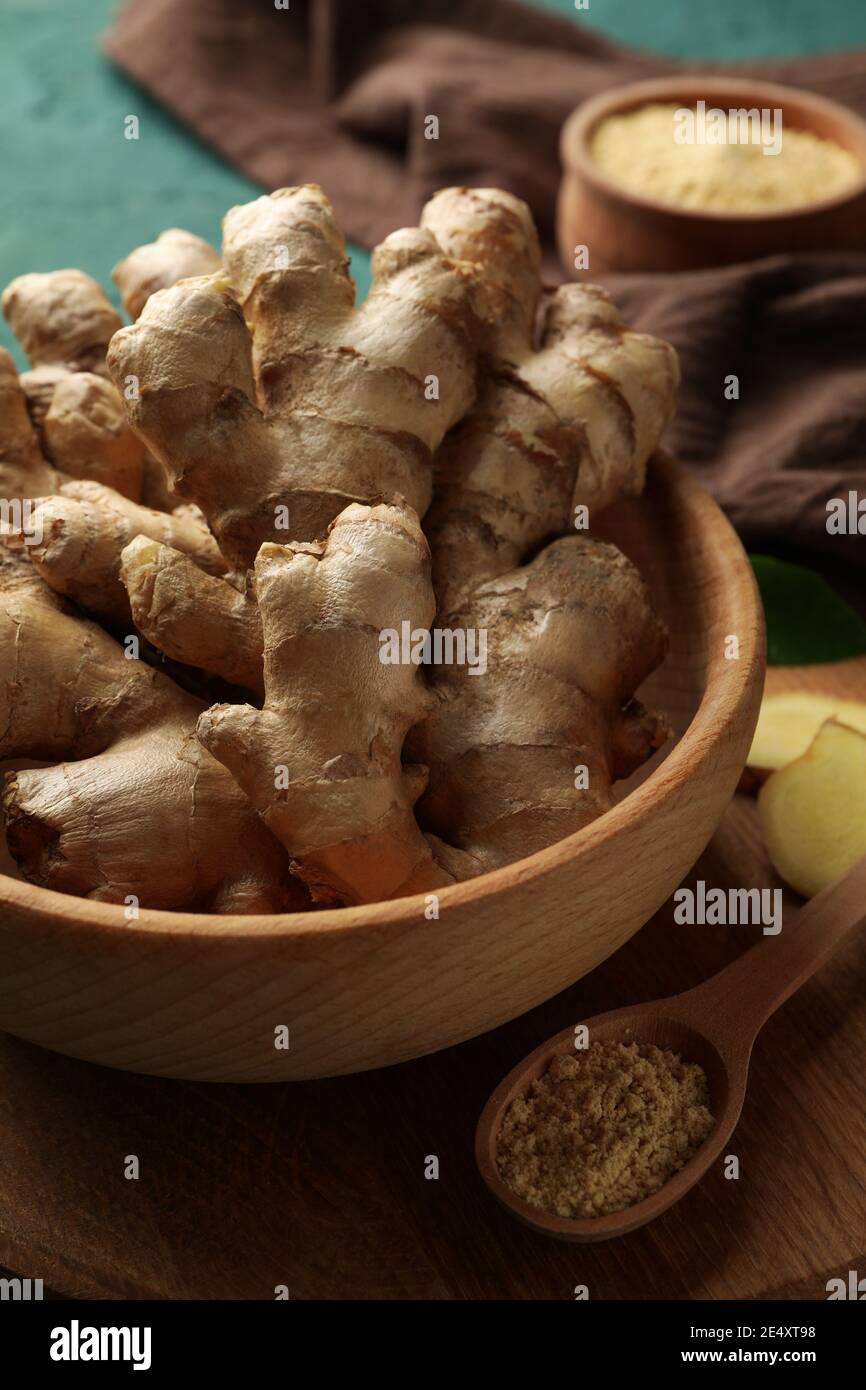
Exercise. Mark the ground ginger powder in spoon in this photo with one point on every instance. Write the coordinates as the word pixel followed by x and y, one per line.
pixel 603 1128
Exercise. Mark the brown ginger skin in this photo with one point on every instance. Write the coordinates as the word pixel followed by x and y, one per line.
pixel 141 810
pixel 493 234
pixel 545 420
pixel 282 410
pixel 200 619
pixel 64 322
pixel 175 255
pixel 24 470
pixel 270 399
pixel 84 432
pixel 570 422
pixel 73 530
pixel 570 637
pixel 61 318
pixel 321 760
pixel 84 529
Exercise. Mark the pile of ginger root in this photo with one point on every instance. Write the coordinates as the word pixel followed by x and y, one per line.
pixel 215 516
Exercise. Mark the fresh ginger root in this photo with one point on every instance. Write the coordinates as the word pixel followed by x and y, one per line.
pixel 813 810
pixel 298 425
pixel 581 413
pixel 789 721
pixel 571 423
pixel 525 753
pixel 321 760
pixel 64 322
pixel 142 810
pixel 61 319
pixel 571 636
pixel 83 433
pixel 74 530
pixel 196 618
pixel 84 529
pixel 175 255
pixel 24 470
pixel 271 401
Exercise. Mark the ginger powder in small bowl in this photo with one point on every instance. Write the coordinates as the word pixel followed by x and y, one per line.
pixel 694 171
pixel 721 159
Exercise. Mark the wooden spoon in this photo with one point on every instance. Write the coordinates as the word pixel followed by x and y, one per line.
pixel 715 1024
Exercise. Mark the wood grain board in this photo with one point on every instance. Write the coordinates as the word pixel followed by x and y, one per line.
pixel 320 1185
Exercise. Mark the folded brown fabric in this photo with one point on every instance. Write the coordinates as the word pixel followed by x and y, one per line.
pixel 337 93
pixel 791 330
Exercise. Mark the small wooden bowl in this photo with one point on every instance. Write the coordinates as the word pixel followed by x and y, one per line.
pixel 625 231
pixel 200 996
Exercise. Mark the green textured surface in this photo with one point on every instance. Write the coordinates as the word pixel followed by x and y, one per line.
pixel 807 622
pixel 734 29
pixel 82 194
pixel 79 194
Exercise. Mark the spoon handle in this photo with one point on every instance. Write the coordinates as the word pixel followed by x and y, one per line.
pixel 743 996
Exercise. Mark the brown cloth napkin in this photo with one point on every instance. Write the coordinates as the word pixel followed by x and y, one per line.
pixel 337 92
pixel 792 329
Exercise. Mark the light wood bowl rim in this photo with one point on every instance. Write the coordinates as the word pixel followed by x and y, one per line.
pixel 686 86
pixel 725 695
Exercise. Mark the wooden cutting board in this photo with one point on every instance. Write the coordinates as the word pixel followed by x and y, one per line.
pixel 321 1186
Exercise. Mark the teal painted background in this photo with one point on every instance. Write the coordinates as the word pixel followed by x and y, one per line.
pixel 77 193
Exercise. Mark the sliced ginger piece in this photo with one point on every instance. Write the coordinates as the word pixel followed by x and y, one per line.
pixel 813 811
pixel 789 721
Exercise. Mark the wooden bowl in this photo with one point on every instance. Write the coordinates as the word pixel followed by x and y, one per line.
pixel 626 231
pixel 200 996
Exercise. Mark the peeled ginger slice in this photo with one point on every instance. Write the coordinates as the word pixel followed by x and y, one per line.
pixel 813 812
pixel 789 722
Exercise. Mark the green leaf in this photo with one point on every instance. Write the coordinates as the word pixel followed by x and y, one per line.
pixel 807 622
